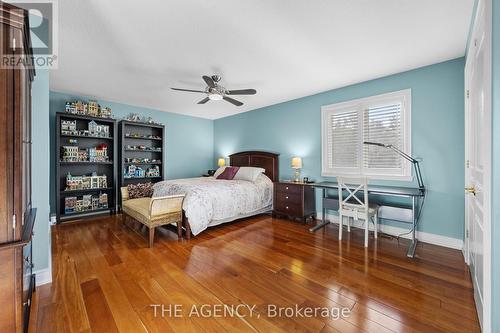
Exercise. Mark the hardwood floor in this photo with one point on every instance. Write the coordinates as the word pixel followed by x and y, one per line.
pixel 106 279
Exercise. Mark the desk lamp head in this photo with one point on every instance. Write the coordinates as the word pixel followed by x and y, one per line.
pixel 407 157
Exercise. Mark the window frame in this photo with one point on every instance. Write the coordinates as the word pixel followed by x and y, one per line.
pixel 361 105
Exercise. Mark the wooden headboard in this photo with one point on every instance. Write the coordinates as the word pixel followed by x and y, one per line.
pixel 259 159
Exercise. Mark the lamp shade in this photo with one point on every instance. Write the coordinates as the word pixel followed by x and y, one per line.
pixel 221 162
pixel 296 162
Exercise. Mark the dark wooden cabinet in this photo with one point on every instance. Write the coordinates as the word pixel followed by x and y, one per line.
pixel 16 213
pixel 294 200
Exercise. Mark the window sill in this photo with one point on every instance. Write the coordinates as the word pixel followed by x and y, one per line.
pixel 369 177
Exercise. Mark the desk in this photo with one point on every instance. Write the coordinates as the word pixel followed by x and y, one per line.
pixel 396 213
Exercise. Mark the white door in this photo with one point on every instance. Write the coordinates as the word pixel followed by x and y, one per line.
pixel 478 162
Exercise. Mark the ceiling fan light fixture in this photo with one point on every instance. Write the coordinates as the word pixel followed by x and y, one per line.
pixel 215 96
pixel 216 92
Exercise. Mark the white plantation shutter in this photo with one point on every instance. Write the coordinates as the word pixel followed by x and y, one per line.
pixel 383 124
pixel 381 119
pixel 345 129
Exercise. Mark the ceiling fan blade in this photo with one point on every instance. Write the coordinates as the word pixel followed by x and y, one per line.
pixel 208 80
pixel 203 101
pixel 232 101
pixel 190 90
pixel 242 92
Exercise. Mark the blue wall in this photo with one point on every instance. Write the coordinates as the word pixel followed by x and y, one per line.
pixel 495 222
pixel 188 144
pixel 293 129
pixel 40 170
pixel 41 167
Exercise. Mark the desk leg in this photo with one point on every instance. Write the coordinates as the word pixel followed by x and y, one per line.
pixel 413 244
pixel 324 222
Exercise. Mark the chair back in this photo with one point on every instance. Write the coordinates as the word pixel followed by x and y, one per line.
pixel 356 194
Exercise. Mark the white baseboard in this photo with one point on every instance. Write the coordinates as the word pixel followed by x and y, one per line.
pixel 424 237
pixel 43 276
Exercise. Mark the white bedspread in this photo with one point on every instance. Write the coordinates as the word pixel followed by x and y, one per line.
pixel 209 199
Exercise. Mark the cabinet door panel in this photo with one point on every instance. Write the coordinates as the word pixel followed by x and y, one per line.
pixel 6 144
pixel 20 82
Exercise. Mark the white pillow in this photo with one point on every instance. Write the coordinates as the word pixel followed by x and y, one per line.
pixel 219 171
pixel 248 173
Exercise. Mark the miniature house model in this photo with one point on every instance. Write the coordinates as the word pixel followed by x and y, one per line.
pixel 96 129
pixel 68 127
pixel 99 153
pixel 70 154
pixel 86 203
pixel 81 108
pixel 93 109
pixel 105 112
pixel 85 182
pixel 133 171
pixel 153 172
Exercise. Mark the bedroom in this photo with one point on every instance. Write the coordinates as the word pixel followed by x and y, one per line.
pixel 297 115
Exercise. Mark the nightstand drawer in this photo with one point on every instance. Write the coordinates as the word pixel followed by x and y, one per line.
pixel 288 188
pixel 288 208
pixel 289 198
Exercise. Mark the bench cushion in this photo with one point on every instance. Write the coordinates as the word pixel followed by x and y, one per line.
pixel 138 206
pixel 139 210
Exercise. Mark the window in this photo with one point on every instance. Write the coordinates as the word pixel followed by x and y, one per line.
pixel 383 119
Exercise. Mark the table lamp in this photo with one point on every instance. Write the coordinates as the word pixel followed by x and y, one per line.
pixel 297 165
pixel 221 162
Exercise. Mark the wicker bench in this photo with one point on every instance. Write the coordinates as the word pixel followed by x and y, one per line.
pixel 154 212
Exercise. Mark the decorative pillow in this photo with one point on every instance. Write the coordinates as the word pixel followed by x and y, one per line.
pixel 228 173
pixel 219 171
pixel 248 173
pixel 141 190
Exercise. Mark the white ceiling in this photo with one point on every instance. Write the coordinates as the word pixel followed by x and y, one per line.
pixel 133 51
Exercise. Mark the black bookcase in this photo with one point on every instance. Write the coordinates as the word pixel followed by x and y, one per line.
pixel 85 141
pixel 141 146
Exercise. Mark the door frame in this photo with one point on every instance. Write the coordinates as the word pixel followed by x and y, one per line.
pixel 483 11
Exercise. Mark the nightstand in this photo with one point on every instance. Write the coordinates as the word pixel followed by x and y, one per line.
pixel 295 200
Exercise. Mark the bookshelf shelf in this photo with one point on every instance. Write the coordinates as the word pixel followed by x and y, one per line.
pixel 86 190
pixel 85 136
pixel 142 138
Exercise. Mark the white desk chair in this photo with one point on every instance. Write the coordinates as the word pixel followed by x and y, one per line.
pixel 354 206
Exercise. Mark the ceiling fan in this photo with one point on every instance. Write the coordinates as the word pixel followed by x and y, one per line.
pixel 216 92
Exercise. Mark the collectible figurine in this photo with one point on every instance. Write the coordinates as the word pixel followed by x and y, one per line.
pixel 133 117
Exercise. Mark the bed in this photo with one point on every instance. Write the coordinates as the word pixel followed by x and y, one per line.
pixel 211 201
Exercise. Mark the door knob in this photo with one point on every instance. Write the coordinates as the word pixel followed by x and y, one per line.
pixel 470 189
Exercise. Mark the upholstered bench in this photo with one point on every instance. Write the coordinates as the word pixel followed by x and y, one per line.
pixel 154 212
